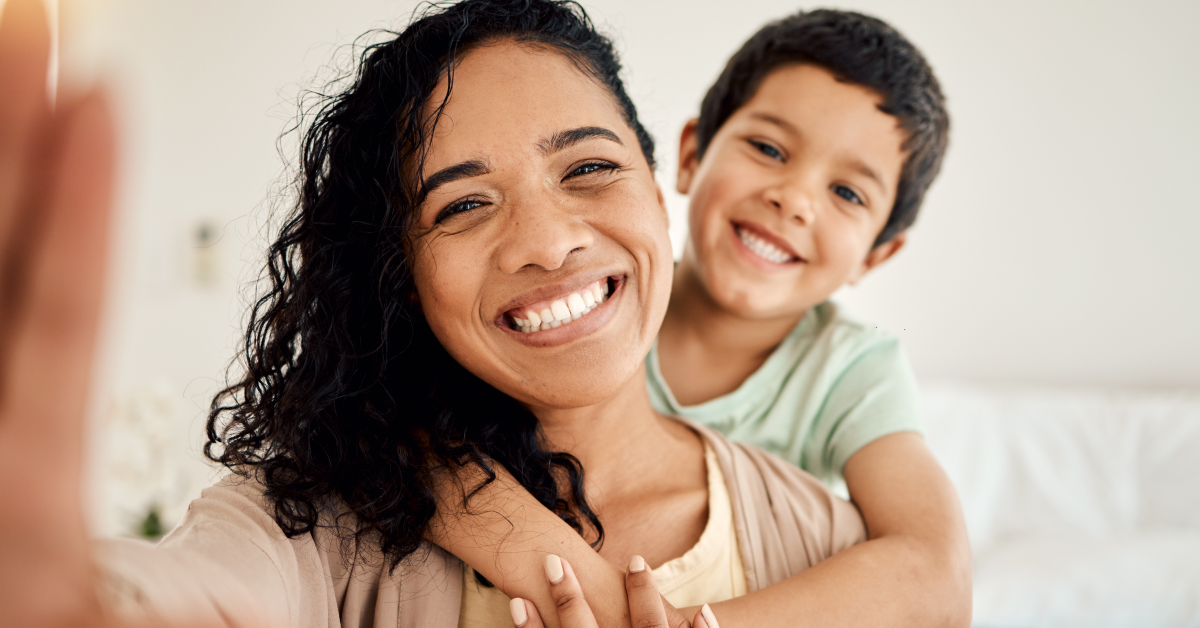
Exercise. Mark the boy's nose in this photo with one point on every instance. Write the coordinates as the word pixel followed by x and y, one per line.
pixel 793 200
pixel 542 233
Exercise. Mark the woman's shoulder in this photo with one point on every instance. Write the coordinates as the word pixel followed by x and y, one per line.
pixel 229 558
pixel 786 519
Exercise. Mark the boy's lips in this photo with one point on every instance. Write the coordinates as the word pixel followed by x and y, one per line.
pixel 765 244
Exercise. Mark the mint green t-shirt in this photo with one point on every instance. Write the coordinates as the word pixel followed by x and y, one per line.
pixel 832 386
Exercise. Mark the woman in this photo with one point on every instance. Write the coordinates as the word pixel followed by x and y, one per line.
pixel 477 265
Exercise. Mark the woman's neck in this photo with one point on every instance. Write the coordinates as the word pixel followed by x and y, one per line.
pixel 706 351
pixel 644 474
pixel 615 437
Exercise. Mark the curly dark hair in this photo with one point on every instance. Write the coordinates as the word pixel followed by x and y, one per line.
pixel 859 49
pixel 348 403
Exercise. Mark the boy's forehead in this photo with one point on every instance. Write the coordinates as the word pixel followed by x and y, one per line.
pixel 810 104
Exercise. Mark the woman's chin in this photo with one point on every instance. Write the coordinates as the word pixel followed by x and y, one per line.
pixel 584 383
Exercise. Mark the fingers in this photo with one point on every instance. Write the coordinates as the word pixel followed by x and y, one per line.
pixel 524 614
pixel 572 608
pixel 24 61
pixel 705 618
pixel 45 382
pixel 645 604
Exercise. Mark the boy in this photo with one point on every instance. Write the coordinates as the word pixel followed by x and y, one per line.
pixel 810 159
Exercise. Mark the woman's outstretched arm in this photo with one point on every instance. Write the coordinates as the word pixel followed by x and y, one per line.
pixel 55 202
pixel 56 183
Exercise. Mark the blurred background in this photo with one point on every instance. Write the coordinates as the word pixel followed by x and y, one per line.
pixel 1049 297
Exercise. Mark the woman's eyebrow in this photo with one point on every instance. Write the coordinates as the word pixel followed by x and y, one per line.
pixel 566 139
pixel 464 170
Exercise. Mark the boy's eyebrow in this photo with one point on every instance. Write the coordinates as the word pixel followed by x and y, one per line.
pixel 779 122
pixel 565 139
pixel 464 170
pixel 857 165
pixel 862 168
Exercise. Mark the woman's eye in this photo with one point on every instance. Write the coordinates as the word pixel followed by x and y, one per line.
pixel 589 168
pixel 847 194
pixel 457 208
pixel 768 150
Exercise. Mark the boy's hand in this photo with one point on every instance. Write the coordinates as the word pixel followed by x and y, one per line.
pixel 647 609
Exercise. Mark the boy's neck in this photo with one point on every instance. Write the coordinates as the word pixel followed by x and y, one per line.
pixel 706 351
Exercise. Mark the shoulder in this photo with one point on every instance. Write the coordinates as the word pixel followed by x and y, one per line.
pixel 229 558
pixel 786 519
pixel 833 324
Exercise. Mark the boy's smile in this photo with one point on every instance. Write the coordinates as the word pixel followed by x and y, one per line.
pixel 791 193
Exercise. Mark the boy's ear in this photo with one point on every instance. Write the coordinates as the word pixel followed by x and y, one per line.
pixel 688 158
pixel 877 256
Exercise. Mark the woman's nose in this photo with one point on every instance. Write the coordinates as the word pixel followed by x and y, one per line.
pixel 542 233
pixel 793 200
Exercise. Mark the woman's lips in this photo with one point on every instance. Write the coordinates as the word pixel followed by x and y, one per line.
pixel 551 313
pixel 559 331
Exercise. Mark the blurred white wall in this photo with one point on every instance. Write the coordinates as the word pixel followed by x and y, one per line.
pixel 1057 247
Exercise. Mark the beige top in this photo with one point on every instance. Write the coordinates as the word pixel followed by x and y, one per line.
pixel 228 563
pixel 711 571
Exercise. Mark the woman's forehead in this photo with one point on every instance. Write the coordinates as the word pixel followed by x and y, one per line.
pixel 510 96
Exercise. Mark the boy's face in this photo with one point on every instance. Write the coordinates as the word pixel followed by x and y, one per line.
pixel 791 193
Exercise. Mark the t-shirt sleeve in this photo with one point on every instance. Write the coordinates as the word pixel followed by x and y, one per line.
pixel 874 395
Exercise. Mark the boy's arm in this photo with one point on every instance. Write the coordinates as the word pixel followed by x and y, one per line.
pixel 505 535
pixel 915 569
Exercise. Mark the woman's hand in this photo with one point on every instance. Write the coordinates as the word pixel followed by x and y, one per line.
pixel 647 609
pixel 56 174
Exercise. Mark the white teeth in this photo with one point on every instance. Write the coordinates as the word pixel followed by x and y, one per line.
pixel 561 311
pixel 763 249
pixel 575 304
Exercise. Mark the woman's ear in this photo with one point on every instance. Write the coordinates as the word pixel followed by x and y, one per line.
pixel 877 256
pixel 689 158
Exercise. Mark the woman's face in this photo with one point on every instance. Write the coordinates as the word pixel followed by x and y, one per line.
pixel 540 254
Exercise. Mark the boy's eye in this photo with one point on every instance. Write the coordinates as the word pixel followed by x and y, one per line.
pixel 847 194
pixel 589 168
pixel 457 208
pixel 767 149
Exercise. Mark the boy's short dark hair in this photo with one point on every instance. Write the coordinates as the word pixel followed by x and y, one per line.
pixel 857 49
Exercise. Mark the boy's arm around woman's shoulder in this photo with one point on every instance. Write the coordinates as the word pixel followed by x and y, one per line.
pixel 914 569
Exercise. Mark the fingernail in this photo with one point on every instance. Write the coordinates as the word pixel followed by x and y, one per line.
pixel 708 616
pixel 554 569
pixel 516 607
pixel 637 564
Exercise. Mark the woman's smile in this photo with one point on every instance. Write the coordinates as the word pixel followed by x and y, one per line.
pixel 535 314
pixel 568 316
